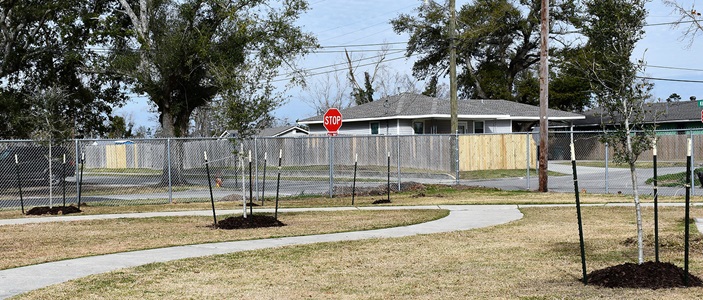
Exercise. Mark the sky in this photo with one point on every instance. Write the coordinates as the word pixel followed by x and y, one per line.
pixel 353 22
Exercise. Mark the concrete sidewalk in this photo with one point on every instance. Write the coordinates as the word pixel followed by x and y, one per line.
pixel 24 279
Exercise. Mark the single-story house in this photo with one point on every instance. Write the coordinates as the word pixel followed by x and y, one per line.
pixel 677 116
pixel 281 131
pixel 407 114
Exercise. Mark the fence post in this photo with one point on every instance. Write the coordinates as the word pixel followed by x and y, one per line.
pixel 256 168
pixel 330 145
pixel 75 159
pixel 606 167
pixel 456 156
pixel 397 159
pixel 168 161
pixel 693 174
pixel 527 160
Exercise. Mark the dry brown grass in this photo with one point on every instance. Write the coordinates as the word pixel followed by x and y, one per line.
pixel 533 258
pixel 433 196
pixel 36 243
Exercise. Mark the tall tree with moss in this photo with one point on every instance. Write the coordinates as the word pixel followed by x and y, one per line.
pixel 184 54
pixel 497 45
pixel 613 28
pixel 46 45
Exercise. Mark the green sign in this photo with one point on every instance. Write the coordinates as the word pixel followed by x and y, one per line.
pixel 700 103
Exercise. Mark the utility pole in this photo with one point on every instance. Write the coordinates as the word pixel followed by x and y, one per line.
pixel 453 105
pixel 543 96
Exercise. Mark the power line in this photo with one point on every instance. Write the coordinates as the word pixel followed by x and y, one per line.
pixel 340 64
pixel 673 68
pixel 327 72
pixel 670 79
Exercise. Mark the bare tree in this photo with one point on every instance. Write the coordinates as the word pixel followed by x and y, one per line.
pixel 687 15
pixel 327 92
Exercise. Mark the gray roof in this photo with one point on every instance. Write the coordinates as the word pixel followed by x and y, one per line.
pixel 665 112
pixel 411 106
pixel 277 131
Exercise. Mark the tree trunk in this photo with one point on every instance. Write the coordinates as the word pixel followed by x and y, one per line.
pixel 631 159
pixel 173 153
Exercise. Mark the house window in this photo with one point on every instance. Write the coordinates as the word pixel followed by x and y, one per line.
pixel 463 127
pixel 419 127
pixel 374 127
pixel 478 126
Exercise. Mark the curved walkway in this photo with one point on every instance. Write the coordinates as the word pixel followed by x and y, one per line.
pixel 23 279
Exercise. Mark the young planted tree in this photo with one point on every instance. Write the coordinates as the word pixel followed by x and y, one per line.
pixel 613 28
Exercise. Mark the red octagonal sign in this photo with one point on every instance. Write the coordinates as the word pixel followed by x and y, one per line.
pixel 332 121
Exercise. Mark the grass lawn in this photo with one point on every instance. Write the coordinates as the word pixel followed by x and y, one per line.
pixel 36 243
pixel 505 173
pixel 675 179
pixel 433 195
pixel 536 257
pixel 639 164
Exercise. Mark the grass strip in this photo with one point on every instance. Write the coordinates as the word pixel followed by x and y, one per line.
pixel 36 243
pixel 533 258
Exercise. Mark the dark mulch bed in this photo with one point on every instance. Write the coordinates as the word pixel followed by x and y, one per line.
pixel 251 221
pixel 45 210
pixel 381 201
pixel 649 275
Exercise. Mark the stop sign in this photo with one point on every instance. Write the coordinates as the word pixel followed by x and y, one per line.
pixel 332 120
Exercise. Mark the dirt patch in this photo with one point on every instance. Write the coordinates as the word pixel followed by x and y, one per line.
pixel 45 210
pixel 381 201
pixel 232 197
pixel 649 275
pixel 251 221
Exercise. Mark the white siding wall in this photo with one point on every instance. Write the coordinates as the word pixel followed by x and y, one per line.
pixel 364 128
pixel 406 127
pixel 498 126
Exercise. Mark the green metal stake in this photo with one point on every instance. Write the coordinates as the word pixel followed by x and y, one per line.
pixel 209 184
pixel 278 183
pixel 356 162
pixel 688 208
pixel 263 185
pixel 251 191
pixel 578 214
pixel 64 180
pixel 19 182
pixel 656 205
pixel 389 177
pixel 80 180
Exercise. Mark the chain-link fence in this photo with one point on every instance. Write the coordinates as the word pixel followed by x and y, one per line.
pixel 145 171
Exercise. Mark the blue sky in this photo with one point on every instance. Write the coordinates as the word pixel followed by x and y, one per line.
pixel 353 22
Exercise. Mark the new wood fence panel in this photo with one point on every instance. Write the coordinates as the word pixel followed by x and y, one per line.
pixel 495 152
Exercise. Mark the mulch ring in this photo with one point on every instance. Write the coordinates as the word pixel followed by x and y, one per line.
pixel 381 201
pixel 251 221
pixel 45 210
pixel 649 275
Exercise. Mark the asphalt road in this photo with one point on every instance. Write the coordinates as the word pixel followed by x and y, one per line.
pixel 590 180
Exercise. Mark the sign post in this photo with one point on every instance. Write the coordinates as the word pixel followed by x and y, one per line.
pixel 332 120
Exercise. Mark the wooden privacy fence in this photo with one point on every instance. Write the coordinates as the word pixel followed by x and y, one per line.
pixel 496 152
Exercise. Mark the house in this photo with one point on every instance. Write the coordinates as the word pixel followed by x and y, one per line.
pixel 282 131
pixel 407 114
pixel 677 117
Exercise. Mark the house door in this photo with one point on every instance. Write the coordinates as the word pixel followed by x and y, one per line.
pixel 463 128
